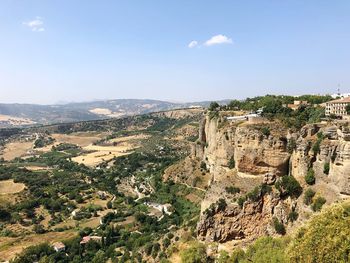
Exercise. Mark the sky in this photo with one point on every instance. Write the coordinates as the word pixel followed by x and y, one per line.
pixel 181 50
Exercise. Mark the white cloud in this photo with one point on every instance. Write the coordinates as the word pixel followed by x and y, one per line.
pixel 36 25
pixel 218 39
pixel 192 44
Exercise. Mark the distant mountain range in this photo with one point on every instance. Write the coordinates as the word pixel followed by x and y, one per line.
pixel 15 115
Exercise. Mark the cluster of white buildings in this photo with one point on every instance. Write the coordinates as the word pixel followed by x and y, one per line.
pixel 246 116
pixel 337 107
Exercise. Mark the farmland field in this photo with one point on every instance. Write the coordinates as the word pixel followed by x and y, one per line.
pixel 10 187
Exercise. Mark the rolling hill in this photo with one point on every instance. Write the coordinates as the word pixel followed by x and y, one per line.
pixel 15 115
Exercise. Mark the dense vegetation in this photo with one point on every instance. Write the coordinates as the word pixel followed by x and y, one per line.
pixel 275 107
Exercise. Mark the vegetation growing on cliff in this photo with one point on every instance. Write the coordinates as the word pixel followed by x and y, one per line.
pixel 324 239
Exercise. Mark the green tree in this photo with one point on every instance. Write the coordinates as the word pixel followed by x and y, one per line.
pixel 325 238
pixel 347 108
pixel 266 250
pixel 196 253
pixel 310 177
pixel 213 106
pixel 99 257
pixel 231 163
pixel 318 203
pixel 279 227
pixel 326 167
pixel 308 195
pixel 289 186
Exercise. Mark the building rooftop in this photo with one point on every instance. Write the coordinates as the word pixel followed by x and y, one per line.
pixel 58 245
pixel 344 100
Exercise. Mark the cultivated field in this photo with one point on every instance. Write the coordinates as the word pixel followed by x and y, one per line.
pixel 102 153
pixel 16 149
pixel 81 139
pixel 119 146
pixel 10 246
pixel 10 187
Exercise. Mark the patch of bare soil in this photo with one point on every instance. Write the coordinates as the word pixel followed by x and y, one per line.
pixel 16 149
pixel 10 187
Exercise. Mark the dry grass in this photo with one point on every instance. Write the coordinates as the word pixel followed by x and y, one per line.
pixel 10 246
pixel 16 149
pixel 130 138
pixel 10 187
pixel 47 217
pixel 103 153
pixel 81 139
pixel 15 120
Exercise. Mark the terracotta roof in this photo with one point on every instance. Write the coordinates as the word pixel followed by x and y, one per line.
pixel 346 100
pixel 59 245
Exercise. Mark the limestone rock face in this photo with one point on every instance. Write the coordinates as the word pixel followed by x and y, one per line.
pixel 340 168
pixel 258 154
pixel 266 155
pixel 253 152
pixel 249 222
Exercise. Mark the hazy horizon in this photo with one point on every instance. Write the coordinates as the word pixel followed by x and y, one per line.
pixel 175 51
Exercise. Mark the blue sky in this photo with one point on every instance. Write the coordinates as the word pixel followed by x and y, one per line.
pixel 64 50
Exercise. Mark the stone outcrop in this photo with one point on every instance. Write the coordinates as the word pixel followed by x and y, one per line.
pixel 267 155
pixel 249 222
pixel 253 152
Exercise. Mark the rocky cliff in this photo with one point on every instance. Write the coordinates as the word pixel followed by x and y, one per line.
pixel 246 155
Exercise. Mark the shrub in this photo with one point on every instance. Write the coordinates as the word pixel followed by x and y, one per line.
pixel 213 106
pixel 263 250
pixel 326 168
pixel 203 166
pixel 265 131
pixel 232 190
pixel 318 203
pixel 309 194
pixel 196 253
pixel 279 227
pixel 39 229
pixel 241 201
pixel 317 146
pixel 292 216
pixel 221 203
pixel 324 239
pixel 310 177
pixel 231 163
pixel 291 145
pixel 347 108
pixel 166 242
pixel 289 186
pixel 255 194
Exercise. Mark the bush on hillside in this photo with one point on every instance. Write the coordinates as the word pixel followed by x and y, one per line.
pixel 279 227
pixel 196 253
pixel 265 131
pixel 309 194
pixel 289 186
pixel 231 163
pixel 232 190
pixel 263 250
pixel 293 216
pixel 318 203
pixel 326 168
pixel 310 177
pixel 325 238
